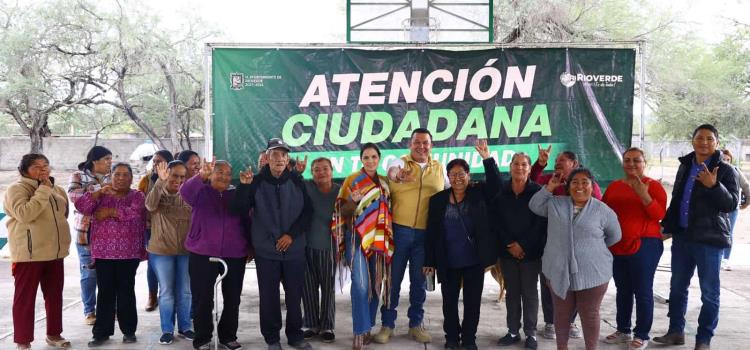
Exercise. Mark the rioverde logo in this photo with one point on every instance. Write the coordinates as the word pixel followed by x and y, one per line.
pixel 596 80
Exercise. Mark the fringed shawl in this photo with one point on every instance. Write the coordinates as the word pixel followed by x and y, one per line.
pixel 372 222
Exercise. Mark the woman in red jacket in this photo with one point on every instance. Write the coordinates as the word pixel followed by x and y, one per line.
pixel 640 203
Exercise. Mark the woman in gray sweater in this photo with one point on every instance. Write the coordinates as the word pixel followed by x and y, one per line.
pixel 576 259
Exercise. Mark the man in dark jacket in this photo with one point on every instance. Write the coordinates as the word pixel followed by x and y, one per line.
pixel 279 221
pixel 705 192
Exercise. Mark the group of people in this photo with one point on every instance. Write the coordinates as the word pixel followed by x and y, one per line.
pixel 556 231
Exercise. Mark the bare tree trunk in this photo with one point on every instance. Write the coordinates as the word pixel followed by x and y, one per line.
pixel 186 130
pixel 133 115
pixel 37 142
pixel 173 114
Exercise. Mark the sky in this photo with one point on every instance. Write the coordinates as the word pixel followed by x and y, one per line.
pixel 324 21
pixel 263 21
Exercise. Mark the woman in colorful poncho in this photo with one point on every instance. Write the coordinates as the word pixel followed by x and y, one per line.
pixel 362 230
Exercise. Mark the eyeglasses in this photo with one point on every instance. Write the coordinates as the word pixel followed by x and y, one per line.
pixel 459 175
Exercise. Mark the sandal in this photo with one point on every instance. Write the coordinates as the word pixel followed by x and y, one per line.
pixel 60 343
pixel 618 338
pixel 638 344
pixel 359 342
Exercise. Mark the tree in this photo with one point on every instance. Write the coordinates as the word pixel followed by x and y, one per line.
pixel 90 119
pixel 62 54
pixel 563 21
pixel 153 74
pixel 47 59
pixel 688 82
pixel 704 85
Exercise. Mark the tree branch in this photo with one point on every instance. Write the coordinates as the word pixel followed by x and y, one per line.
pixel 6 107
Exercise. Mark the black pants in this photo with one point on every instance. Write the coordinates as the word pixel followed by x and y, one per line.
pixel 291 273
pixel 203 274
pixel 116 291
pixel 548 311
pixel 521 278
pixel 473 282
pixel 318 294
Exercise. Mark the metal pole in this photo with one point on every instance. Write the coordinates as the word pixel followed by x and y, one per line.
pixel 216 297
pixel 208 148
pixel 643 93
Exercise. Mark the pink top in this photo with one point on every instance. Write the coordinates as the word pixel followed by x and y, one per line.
pixel 121 237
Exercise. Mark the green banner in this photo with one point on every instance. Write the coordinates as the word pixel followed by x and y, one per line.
pixel 327 102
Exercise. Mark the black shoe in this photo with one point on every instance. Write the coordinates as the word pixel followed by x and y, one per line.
pixel 328 336
pixel 472 346
pixel 450 344
pixel 309 334
pixel 673 338
pixel 301 345
pixel 96 342
pixel 129 338
pixel 508 339
pixel 231 345
pixel 204 346
pixel 530 343
pixel 188 334
pixel 166 339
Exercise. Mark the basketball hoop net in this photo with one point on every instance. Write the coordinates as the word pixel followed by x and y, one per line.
pixel 416 32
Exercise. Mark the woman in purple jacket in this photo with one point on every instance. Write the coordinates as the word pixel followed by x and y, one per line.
pixel 214 232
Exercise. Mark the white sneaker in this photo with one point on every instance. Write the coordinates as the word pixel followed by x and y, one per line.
pixel 575 333
pixel 638 344
pixel 549 331
pixel 618 338
pixel 725 265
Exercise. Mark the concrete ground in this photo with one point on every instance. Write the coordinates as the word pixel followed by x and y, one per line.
pixel 730 334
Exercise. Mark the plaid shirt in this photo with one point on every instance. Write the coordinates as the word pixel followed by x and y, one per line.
pixel 80 183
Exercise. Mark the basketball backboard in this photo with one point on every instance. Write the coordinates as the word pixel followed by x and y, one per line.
pixel 419 21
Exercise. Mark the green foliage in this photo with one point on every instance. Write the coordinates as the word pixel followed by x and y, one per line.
pixel 703 84
pixel 76 66
pixel 688 81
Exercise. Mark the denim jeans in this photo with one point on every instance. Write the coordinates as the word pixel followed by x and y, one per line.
pixel 364 303
pixel 175 298
pixel 634 276
pixel 732 221
pixel 686 256
pixel 88 279
pixel 152 281
pixel 409 244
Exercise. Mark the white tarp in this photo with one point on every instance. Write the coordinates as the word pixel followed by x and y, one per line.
pixel 143 150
